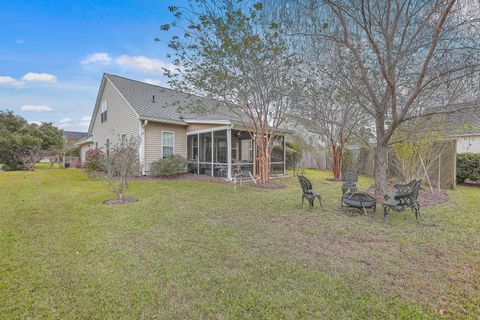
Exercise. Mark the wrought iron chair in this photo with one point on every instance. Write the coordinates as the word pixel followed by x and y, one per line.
pixel 307 192
pixel 404 196
pixel 349 179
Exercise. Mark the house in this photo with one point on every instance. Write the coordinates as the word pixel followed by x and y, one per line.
pixel 467 134
pixel 215 140
pixel 72 137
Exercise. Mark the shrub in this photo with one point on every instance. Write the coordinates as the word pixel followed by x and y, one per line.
pixel 122 164
pixel 170 166
pixel 94 159
pixel 468 167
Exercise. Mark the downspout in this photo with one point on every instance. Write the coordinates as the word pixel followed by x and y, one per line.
pixel 142 146
pixel 229 154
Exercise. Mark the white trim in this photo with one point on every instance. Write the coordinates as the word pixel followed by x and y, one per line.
pixel 208 130
pixel 85 141
pixel 173 141
pixel 97 104
pixel 208 121
pixel 180 123
pixel 141 147
pixel 229 153
pixel 464 135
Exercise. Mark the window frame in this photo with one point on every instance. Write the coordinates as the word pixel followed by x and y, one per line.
pixel 173 143
pixel 250 150
pixel 123 140
pixel 103 111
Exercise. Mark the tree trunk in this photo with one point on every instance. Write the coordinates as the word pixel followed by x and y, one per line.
pixel 381 166
pixel 337 159
pixel 263 159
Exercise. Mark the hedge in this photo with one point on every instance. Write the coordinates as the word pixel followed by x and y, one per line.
pixel 170 166
pixel 468 167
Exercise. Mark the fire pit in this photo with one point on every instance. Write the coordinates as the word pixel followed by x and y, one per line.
pixel 359 200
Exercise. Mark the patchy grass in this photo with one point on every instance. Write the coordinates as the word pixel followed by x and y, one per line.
pixel 191 249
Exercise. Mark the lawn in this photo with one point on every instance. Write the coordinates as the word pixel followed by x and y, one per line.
pixel 198 250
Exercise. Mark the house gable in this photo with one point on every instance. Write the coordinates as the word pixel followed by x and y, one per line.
pixel 120 119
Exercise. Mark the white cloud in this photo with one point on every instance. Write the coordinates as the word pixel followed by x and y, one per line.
pixel 39 77
pixel 36 108
pixel 6 80
pixel 99 57
pixel 156 82
pixel 68 123
pixel 20 41
pixel 35 122
pixel 143 64
pixel 28 77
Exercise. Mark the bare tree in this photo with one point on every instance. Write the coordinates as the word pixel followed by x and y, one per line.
pixel 324 110
pixel 121 165
pixel 231 51
pixel 411 58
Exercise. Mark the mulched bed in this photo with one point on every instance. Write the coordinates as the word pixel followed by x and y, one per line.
pixel 113 202
pixel 185 176
pixel 425 197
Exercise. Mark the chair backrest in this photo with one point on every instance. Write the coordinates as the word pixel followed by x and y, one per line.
pixel 416 189
pixel 349 177
pixel 305 184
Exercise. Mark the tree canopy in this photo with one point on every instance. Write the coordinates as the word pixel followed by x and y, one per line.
pixel 23 144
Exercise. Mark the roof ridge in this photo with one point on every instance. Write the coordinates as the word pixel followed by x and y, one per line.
pixel 150 84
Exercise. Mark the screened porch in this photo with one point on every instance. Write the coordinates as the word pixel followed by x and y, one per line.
pixel 226 152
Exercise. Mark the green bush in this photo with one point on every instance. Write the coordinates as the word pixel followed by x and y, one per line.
pixel 170 166
pixel 468 167
pixel 94 159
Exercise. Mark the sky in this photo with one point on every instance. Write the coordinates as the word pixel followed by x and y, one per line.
pixel 53 54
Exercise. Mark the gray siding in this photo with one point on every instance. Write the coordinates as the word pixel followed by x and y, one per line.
pixel 121 119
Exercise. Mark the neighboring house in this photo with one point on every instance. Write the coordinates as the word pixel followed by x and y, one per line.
pixel 468 134
pixel 72 137
pixel 468 142
pixel 214 139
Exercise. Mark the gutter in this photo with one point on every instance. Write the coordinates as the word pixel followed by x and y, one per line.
pixel 142 146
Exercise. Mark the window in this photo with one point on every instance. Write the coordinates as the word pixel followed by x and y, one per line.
pixel 250 150
pixel 167 144
pixel 195 148
pixel 107 147
pixel 124 140
pixel 234 147
pixel 103 108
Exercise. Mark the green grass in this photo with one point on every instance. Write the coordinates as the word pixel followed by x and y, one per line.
pixel 197 250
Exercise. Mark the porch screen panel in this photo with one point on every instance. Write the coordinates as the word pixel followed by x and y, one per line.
pixel 220 147
pixel 277 151
pixel 205 144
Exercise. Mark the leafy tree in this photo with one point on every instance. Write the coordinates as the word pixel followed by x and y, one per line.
pixel 22 144
pixel 405 59
pixel 414 150
pixel 233 52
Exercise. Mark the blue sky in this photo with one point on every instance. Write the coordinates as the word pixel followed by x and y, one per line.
pixel 53 54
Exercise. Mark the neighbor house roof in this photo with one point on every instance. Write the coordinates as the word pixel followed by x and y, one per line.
pixel 163 104
pixel 74 134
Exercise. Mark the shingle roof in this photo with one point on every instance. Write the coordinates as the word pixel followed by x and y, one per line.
pixel 74 134
pixel 155 102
